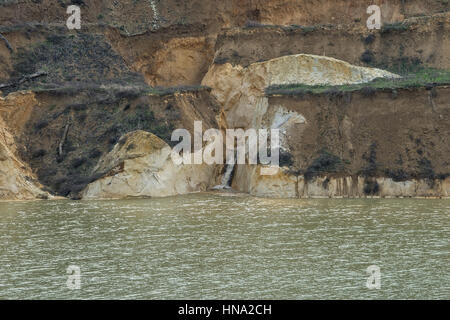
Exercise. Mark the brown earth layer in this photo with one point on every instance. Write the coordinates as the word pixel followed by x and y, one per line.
pixel 402 134
pixel 94 124
pixel 423 40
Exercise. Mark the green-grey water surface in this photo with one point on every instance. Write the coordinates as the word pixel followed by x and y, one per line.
pixel 213 246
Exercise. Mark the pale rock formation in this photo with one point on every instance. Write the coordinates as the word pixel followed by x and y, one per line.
pixel 241 90
pixel 284 185
pixel 248 179
pixel 140 165
pixel 17 181
pixel 241 93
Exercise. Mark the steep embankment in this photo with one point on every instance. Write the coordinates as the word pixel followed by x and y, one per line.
pixel 94 93
pixel 173 42
pixel 133 16
pixel 420 41
pixel 351 140
pixel 67 134
pixel 362 143
pixel 87 99
pixel 241 90
pixel 171 57
pixel 17 181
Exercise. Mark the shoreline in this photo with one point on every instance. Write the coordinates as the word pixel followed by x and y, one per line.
pixel 231 193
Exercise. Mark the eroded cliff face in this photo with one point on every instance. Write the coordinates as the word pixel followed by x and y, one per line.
pixel 98 84
pixel 241 90
pixel 287 185
pixel 139 16
pixel 17 181
pixel 174 42
pixel 65 140
pixel 419 40
pixel 337 144
pixel 386 143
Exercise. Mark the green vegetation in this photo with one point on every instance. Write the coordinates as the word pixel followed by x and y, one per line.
pixel 393 27
pixel 371 169
pixel 164 91
pixel 70 61
pixel 326 162
pixel 371 187
pixel 292 27
pixel 421 77
pixel 110 90
pixel 286 159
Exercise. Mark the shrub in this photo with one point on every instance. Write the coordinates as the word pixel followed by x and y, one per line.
pixel 95 153
pixel 221 60
pixel 77 2
pixel 371 187
pixel 371 169
pixel 286 159
pixel 369 39
pixel 55 39
pixel 368 91
pixel 253 24
pixel 367 56
pixel 131 146
pixel 394 27
pixel 40 125
pixel 426 170
pixel 82 117
pixel 325 183
pixel 333 92
pixel 69 146
pixel 58 182
pixel 77 107
pixel 397 174
pixel 128 93
pixel 78 162
pixel 113 140
pixel 325 163
pixel 38 153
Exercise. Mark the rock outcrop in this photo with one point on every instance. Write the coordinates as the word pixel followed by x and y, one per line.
pixel 140 165
pixel 348 131
pixel 140 65
pixel 241 90
pixel 17 181
pixel 286 185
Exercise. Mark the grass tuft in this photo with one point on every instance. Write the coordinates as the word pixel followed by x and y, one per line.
pixel 422 77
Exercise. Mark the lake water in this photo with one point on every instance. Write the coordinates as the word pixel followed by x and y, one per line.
pixel 225 246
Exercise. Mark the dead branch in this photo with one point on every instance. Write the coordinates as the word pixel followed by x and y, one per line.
pixel 8 45
pixel 23 79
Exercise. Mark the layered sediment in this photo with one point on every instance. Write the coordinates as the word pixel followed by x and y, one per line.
pixel 17 181
pixel 89 113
